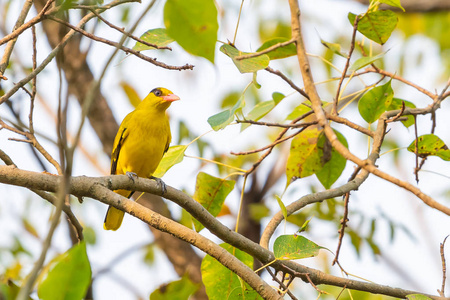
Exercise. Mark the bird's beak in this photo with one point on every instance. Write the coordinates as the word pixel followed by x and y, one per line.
pixel 171 98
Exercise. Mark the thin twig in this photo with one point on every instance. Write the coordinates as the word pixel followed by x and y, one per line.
pixel 128 34
pixel 303 276
pixel 273 144
pixel 341 231
pixel 350 124
pixel 33 91
pixel 444 268
pixel 237 23
pixel 397 116
pixel 66 209
pixel 121 47
pixel 13 35
pixel 347 64
pixel 416 150
pixel 344 218
pixel 271 48
pixel 10 46
pixel 56 50
pixel 281 284
pixel 290 82
pixel 32 139
pixel 396 77
pixel 271 124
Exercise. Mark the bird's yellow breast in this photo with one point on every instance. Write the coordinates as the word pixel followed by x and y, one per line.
pixel 147 137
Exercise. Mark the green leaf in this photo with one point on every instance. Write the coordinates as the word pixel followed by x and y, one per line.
pixel 131 93
pixel 430 144
pixel 220 281
pixel 281 52
pixel 376 25
pixel 311 153
pixel 364 61
pixel 262 108
pixel 303 158
pixel 417 297
pixel 248 65
pixel 157 36
pixel 211 192
pixel 397 104
pixel 222 119
pixel 304 226
pixel 69 276
pixel 375 102
pixel 299 111
pixel 333 164
pixel 282 206
pixel 180 289
pixel 334 47
pixel 173 156
pixel 287 247
pixel 193 25
pixel 394 3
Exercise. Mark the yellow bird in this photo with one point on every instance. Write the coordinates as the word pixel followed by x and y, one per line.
pixel 143 138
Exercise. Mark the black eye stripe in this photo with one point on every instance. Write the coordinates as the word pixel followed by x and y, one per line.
pixel 157 92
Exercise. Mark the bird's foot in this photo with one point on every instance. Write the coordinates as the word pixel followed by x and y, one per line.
pixel 131 175
pixel 161 184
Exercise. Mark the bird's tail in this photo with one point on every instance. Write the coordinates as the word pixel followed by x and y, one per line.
pixel 114 216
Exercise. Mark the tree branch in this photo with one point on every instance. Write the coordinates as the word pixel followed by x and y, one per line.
pixel 320 114
pixel 100 188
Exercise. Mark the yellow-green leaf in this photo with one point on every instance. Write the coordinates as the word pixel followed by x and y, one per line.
pixel 9 290
pixel 193 24
pixel 376 25
pixel 299 110
pixel 394 3
pixel 281 52
pixel 157 36
pixel 287 247
pixel 430 144
pixel 303 158
pixel 364 61
pixel 211 192
pixel 173 156
pixel 69 276
pixel 375 102
pixel 220 281
pixel 282 206
pixel 332 163
pixel 222 119
pixel 334 47
pixel 262 108
pixel 180 289
pixel 248 65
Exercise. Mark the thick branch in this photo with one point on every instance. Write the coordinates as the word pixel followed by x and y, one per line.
pixel 97 188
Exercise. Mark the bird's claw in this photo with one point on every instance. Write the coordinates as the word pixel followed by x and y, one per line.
pixel 131 175
pixel 161 184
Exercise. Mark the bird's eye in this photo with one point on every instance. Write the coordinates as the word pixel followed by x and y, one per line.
pixel 157 93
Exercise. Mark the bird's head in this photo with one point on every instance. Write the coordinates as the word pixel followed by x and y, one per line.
pixel 161 98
